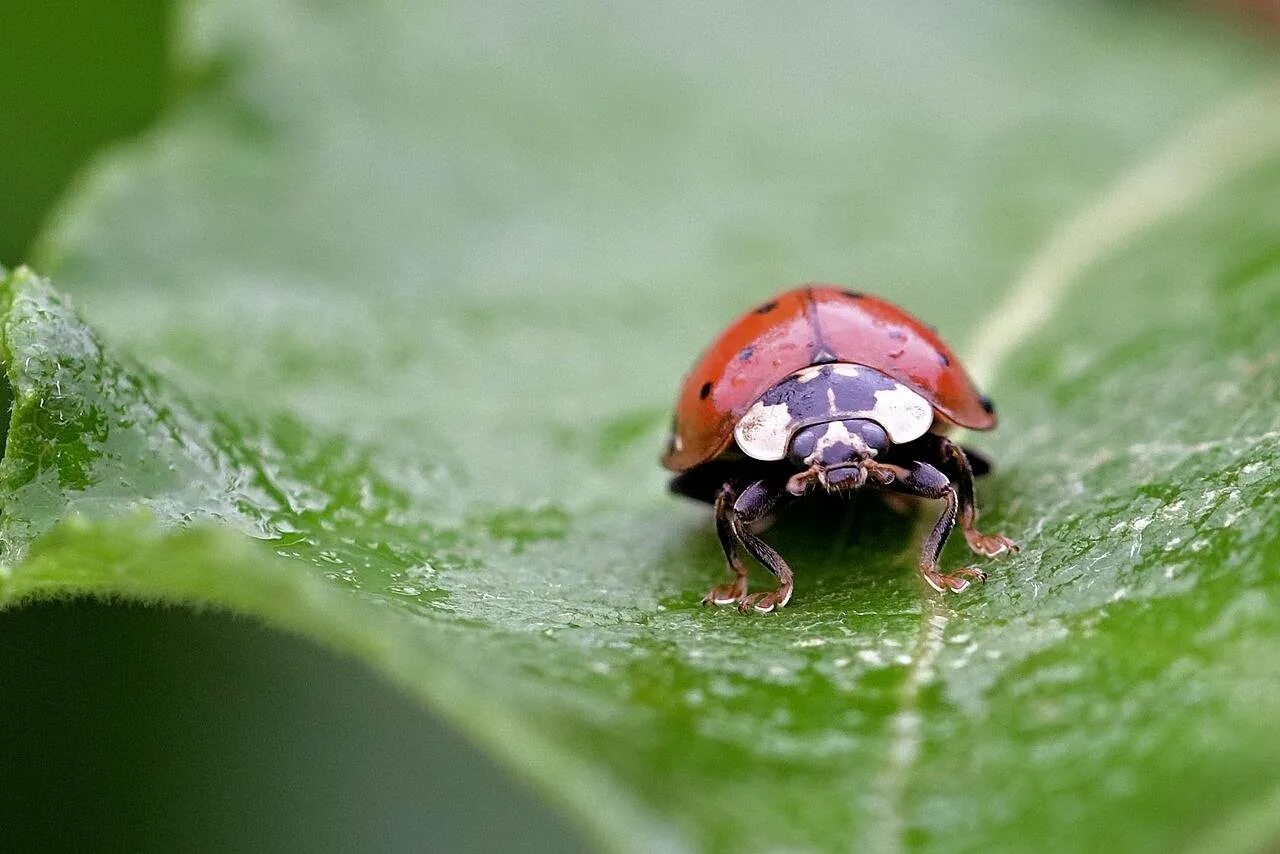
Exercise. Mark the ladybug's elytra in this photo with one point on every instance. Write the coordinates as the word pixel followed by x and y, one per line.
pixel 825 389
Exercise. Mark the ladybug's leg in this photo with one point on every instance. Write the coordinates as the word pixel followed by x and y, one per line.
pixel 979 463
pixel 925 481
pixel 758 501
pixel 955 461
pixel 728 594
pixel 736 513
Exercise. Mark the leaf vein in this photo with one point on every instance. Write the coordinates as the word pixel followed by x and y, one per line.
pixel 1237 137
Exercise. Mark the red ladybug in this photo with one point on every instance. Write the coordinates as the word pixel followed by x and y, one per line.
pixel 825 389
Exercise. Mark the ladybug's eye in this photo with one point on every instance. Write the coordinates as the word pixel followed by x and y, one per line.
pixel 804 442
pixel 871 433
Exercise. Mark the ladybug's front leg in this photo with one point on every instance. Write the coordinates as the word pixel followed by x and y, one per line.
pixel 925 481
pixel 736 512
pixel 728 594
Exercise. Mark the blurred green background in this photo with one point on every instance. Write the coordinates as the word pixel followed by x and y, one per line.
pixel 126 729
pixel 136 729
pixel 76 76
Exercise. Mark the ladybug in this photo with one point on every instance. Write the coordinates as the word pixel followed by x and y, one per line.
pixel 824 390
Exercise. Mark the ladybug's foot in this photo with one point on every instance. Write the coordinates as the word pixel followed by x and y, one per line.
pixel 953 581
pixel 989 545
pixel 763 603
pixel 727 594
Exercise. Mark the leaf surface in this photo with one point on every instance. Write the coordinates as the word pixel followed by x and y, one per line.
pixel 397 299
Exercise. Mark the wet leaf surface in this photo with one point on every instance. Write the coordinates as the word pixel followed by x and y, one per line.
pixel 379 330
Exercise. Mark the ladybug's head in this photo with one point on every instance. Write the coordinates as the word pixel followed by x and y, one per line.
pixel 832 454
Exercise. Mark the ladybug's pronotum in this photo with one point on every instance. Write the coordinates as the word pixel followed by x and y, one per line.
pixel 827 390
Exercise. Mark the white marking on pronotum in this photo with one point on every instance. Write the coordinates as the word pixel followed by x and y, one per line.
pixel 808 374
pixel 902 413
pixel 764 431
pixel 1241 135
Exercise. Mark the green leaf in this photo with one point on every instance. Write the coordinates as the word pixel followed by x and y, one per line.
pixel 413 288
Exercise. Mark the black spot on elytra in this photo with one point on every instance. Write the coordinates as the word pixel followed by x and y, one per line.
pixel 767 307
pixel 988 406
pixel 897 335
pixel 704 392
pixel 853 294
pixel 944 360
pixel 746 353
